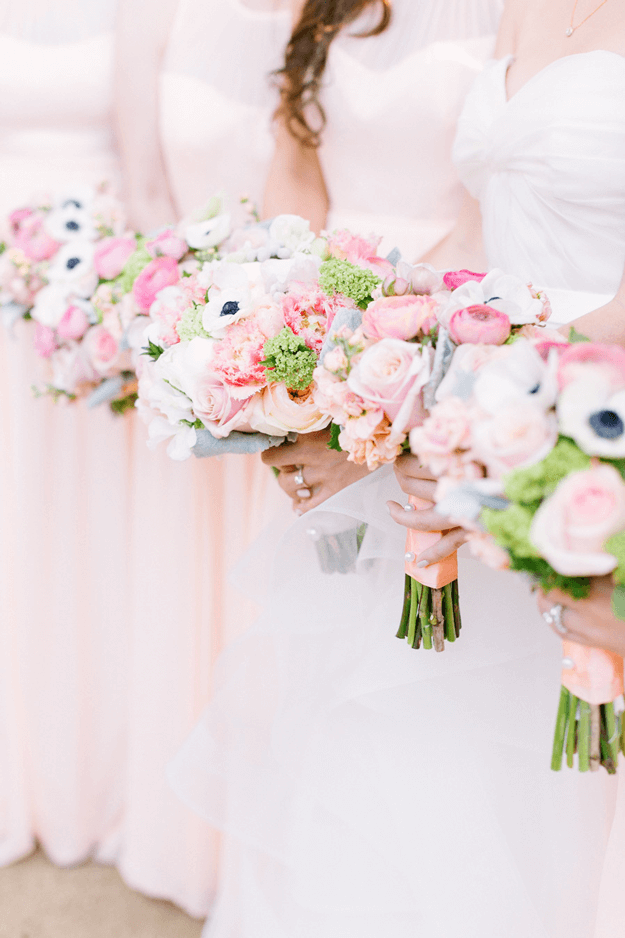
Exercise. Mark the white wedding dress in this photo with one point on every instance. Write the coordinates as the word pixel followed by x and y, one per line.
pixel 366 788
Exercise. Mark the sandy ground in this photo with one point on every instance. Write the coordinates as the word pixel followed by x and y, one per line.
pixel 38 900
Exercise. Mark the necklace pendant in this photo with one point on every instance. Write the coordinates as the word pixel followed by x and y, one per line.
pixel 569 31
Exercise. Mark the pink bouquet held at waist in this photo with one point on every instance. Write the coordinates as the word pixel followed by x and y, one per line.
pixel 528 443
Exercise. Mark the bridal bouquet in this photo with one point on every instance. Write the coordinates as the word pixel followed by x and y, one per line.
pixel 233 345
pixel 87 283
pixel 528 441
pixel 379 378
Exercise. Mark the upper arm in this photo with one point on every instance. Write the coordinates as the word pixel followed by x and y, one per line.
pixel 508 28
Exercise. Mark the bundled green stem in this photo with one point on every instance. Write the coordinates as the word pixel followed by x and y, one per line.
pixel 429 616
pixel 594 731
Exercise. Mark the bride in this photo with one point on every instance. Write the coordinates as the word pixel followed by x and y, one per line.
pixel 367 788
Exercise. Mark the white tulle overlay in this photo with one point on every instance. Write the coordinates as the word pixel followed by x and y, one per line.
pixel 366 788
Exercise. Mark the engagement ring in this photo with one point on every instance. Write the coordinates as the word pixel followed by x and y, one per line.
pixel 299 476
pixel 554 617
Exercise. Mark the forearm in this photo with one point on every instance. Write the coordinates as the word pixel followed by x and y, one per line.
pixel 606 324
pixel 295 183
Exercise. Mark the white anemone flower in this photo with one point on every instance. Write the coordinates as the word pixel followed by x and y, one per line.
pixel 51 304
pixel 70 220
pixel 593 416
pixel 73 265
pixel 234 293
pixel 504 292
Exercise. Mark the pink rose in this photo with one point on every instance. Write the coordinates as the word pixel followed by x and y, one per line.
pixel 479 325
pixel 167 311
pixel 571 526
pixel 455 278
pixel 400 317
pixel 159 273
pixel 102 351
pixel 167 244
pixel 390 376
pixel 278 411
pixel 32 238
pixel 583 359
pixel 74 323
pixel 515 436
pixel 442 434
pixel 214 405
pixel 70 368
pixel 44 340
pixel 111 255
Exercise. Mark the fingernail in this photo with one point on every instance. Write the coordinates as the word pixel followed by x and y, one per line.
pixel 298 512
pixel 304 493
pixel 423 563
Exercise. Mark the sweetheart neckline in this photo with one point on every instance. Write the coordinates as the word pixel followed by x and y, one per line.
pixel 509 59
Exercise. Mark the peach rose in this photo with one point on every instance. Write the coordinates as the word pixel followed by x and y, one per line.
pixel 277 411
pixel 571 526
pixel 399 317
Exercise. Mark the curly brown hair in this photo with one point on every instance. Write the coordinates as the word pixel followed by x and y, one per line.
pixel 305 61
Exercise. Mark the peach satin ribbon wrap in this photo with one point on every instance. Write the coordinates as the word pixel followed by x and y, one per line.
pixel 596 675
pixel 437 575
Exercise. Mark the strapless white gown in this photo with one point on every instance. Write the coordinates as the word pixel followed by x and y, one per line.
pixel 551 162
pixel 369 789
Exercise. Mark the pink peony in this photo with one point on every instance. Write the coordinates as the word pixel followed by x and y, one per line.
pixel 359 251
pixel 31 236
pixel 309 312
pixel 400 317
pixel 111 255
pixel 455 278
pixel 44 340
pixel 102 351
pixel 167 244
pixel 74 323
pixel 583 359
pixel 239 355
pixel 167 311
pixel 515 436
pixel 479 325
pixel 571 526
pixel 159 273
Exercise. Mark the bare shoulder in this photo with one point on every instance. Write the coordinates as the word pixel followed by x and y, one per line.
pixel 513 14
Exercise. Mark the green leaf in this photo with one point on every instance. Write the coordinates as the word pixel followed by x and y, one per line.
pixel 618 602
pixel 334 438
pixel 575 336
pixel 152 350
pixel 124 403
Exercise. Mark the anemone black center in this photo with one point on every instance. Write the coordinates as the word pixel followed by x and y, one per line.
pixel 73 202
pixel 492 299
pixel 607 424
pixel 230 308
pixel 535 389
pixel 73 262
pixel 72 225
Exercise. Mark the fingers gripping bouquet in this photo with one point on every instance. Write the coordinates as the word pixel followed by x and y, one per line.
pixel 232 347
pixel 540 424
pixel 379 378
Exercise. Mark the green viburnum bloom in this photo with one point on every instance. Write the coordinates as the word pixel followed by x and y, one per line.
pixel 336 276
pixel 511 528
pixel 133 267
pixel 191 326
pixel 289 360
pixel 530 486
pixel 615 545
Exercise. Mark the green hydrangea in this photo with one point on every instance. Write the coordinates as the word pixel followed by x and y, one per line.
pixel 530 486
pixel 336 276
pixel 511 528
pixel 289 360
pixel 191 326
pixel 133 267
pixel 616 546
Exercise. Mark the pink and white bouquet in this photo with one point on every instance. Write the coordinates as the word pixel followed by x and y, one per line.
pixel 528 443
pixel 232 347
pixel 379 377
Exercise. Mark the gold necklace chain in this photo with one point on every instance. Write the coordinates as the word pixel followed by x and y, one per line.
pixel 571 29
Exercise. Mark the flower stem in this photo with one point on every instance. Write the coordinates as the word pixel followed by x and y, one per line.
pixel 584 736
pixel 595 736
pixel 571 739
pixel 560 731
pixel 405 613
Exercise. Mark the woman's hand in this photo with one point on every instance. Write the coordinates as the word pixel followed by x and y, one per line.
pixel 324 471
pixel 587 621
pixel 414 480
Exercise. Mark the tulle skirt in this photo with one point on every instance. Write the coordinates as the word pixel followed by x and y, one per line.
pixel 367 788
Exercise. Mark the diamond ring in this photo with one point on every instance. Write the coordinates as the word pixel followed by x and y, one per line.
pixel 554 617
pixel 299 476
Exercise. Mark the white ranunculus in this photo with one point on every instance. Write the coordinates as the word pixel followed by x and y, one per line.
pixel 290 234
pixel 593 416
pixel 517 374
pixel 208 233
pixel 504 292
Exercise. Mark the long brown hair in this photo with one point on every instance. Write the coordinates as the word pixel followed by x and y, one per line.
pixel 305 61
